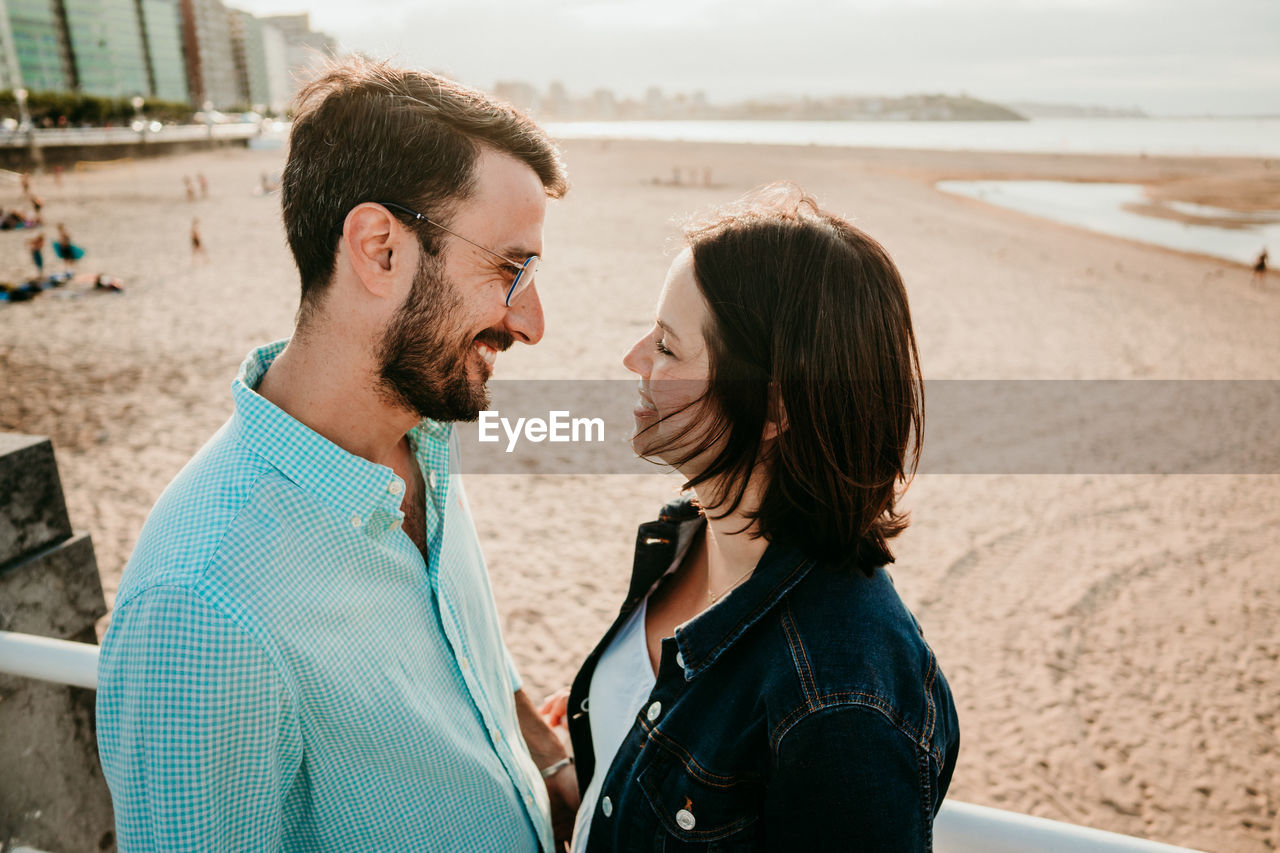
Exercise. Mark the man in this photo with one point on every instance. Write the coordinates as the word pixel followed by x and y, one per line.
pixel 305 653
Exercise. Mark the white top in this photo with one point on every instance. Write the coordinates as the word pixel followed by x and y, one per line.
pixel 620 687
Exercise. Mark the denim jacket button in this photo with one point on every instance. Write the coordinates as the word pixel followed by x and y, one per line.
pixel 686 820
pixel 606 806
pixel 679 660
pixel 654 710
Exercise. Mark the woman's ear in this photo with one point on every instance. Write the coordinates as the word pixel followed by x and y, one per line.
pixel 777 423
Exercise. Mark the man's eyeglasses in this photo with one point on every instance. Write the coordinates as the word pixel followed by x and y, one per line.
pixel 524 271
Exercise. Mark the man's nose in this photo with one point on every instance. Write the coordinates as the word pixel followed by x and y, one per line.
pixel 524 316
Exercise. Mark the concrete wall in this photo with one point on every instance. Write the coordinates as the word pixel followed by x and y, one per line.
pixel 52 793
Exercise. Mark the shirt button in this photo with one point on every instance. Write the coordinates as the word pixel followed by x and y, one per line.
pixel 606 807
pixel 679 660
pixel 355 521
pixel 464 663
pixel 654 710
pixel 395 487
pixel 686 820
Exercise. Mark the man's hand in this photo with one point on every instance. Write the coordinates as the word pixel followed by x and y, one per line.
pixel 546 749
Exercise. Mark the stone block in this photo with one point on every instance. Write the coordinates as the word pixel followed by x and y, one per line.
pixel 52 792
pixel 53 795
pixel 55 592
pixel 33 512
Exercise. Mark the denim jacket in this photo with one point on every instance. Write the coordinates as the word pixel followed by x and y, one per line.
pixel 803 712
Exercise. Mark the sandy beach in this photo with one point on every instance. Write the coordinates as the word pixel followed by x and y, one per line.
pixel 1113 641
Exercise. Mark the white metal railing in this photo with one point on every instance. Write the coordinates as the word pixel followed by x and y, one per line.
pixel 959 827
pixel 966 828
pixel 49 660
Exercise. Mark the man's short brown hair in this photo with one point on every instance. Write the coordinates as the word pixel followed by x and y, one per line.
pixel 366 131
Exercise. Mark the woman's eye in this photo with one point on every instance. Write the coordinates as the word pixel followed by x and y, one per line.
pixel 661 346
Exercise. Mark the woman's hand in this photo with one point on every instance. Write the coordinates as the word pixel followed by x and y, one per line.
pixel 555 709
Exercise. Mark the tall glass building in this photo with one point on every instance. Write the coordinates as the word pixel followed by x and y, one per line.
pixel 210 64
pixel 39 43
pixel 250 52
pixel 106 47
pixel 162 26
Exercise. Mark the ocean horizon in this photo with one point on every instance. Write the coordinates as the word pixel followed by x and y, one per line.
pixel 1201 137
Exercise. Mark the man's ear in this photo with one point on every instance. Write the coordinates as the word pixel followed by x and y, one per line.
pixel 377 248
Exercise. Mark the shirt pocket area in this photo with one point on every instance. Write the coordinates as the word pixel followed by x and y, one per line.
pixel 696 807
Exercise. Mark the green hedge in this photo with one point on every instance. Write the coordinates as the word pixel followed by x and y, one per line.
pixel 81 109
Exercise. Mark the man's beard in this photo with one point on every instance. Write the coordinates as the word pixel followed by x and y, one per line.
pixel 422 368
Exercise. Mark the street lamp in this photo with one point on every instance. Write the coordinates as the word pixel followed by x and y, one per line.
pixel 207 106
pixel 24 117
pixel 139 124
pixel 26 125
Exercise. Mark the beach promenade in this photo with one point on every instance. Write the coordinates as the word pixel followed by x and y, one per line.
pixel 1113 641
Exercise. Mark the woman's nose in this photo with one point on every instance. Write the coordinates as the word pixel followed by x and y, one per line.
pixel 636 360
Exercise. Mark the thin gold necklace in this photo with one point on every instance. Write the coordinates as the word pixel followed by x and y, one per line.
pixel 716 596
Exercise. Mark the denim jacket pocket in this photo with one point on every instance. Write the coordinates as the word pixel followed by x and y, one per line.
pixel 696 807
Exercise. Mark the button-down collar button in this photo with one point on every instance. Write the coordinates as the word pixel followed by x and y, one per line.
pixel 395 524
pixel 679 660
pixel 654 710
pixel 464 663
pixel 686 820
pixel 606 807
pixel 355 521
pixel 395 487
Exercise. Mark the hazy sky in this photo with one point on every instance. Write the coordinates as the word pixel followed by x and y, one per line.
pixel 1168 57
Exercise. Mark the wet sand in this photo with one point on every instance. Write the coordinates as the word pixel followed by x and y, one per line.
pixel 1113 642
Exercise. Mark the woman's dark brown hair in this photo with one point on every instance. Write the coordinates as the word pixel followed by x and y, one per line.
pixel 809 328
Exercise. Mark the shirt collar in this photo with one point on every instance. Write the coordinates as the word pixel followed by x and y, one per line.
pixel 704 638
pixel 351 484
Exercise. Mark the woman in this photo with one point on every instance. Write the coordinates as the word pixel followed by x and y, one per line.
pixel 764 688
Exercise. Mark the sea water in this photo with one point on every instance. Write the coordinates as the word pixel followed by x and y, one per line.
pixel 1243 137
pixel 1100 207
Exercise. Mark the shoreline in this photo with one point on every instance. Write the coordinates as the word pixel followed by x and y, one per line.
pixel 1110 640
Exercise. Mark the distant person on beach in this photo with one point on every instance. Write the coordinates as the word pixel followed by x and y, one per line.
pixel 190 187
pixel 764 687
pixel 66 250
pixel 36 247
pixel 197 245
pixel 305 653
pixel 204 184
pixel 1260 269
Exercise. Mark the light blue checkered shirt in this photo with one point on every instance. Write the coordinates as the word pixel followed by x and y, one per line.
pixel 283 671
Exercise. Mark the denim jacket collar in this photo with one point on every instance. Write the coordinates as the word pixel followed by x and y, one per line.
pixel 704 638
